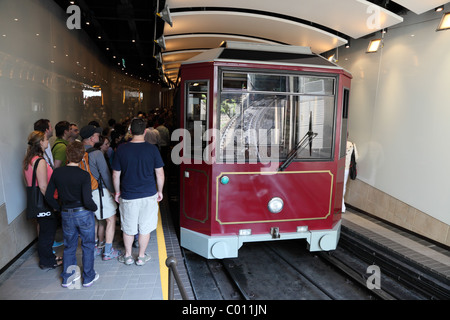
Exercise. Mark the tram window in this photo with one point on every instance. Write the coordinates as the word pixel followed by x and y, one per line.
pixel 254 126
pixel 316 85
pixel 196 115
pixel 319 111
pixel 266 124
pixel 234 80
pixel 268 82
pixel 344 127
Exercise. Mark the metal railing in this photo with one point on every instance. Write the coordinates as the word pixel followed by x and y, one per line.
pixel 171 263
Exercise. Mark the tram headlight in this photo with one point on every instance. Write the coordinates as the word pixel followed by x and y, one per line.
pixel 275 205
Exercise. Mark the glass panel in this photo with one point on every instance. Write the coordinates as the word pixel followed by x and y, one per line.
pixel 268 82
pixel 234 81
pixel 196 115
pixel 316 85
pixel 249 125
pixel 268 124
pixel 344 126
pixel 319 110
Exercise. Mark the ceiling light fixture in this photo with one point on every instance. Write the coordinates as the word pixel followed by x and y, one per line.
pixel 158 58
pixel 374 45
pixel 161 42
pixel 445 22
pixel 165 15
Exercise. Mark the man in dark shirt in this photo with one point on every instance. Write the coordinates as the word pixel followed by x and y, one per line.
pixel 134 166
pixel 75 202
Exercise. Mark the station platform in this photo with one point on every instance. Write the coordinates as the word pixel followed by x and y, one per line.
pixel 411 247
pixel 24 280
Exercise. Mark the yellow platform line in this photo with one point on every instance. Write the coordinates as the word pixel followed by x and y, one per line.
pixel 162 253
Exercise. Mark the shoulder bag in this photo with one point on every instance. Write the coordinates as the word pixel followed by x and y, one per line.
pixel 37 207
pixel 353 172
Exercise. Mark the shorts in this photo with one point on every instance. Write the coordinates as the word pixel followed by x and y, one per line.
pixel 139 215
pixel 109 205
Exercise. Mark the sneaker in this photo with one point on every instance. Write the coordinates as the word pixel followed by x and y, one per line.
pixel 68 284
pixel 111 255
pixel 92 282
pixel 57 244
pixel 127 260
pixel 97 251
pixel 142 260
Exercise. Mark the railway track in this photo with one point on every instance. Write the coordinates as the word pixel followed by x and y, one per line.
pixel 402 277
pixel 282 270
pixel 285 270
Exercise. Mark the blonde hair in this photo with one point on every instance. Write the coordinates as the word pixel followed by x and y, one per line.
pixel 34 147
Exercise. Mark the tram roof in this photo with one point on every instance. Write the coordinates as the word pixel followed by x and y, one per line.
pixel 264 53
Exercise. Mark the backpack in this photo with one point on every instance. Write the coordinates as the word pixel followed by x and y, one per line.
pixel 95 184
pixel 84 164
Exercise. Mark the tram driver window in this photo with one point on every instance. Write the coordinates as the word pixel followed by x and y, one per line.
pixel 263 115
pixel 196 115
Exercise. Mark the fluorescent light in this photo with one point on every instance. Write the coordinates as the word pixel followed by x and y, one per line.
pixel 445 22
pixel 374 45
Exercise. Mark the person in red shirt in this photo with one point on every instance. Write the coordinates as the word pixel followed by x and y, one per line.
pixel 37 143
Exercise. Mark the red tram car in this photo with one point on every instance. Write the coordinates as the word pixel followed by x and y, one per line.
pixel 262 152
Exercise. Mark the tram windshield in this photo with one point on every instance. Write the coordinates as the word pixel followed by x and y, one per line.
pixel 264 116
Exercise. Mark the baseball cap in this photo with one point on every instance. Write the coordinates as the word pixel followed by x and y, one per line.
pixel 89 130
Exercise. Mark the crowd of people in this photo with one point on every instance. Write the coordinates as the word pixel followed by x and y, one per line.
pixel 92 179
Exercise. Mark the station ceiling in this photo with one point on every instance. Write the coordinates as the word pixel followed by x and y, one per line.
pixel 126 31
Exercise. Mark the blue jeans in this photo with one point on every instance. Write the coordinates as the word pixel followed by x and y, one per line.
pixel 76 224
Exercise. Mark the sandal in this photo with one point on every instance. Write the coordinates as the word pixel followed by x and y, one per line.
pixel 127 260
pixel 142 260
pixel 56 265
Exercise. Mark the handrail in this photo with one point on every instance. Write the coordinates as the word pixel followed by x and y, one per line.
pixel 171 263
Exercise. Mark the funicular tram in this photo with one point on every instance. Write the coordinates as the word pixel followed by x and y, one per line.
pixel 262 148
